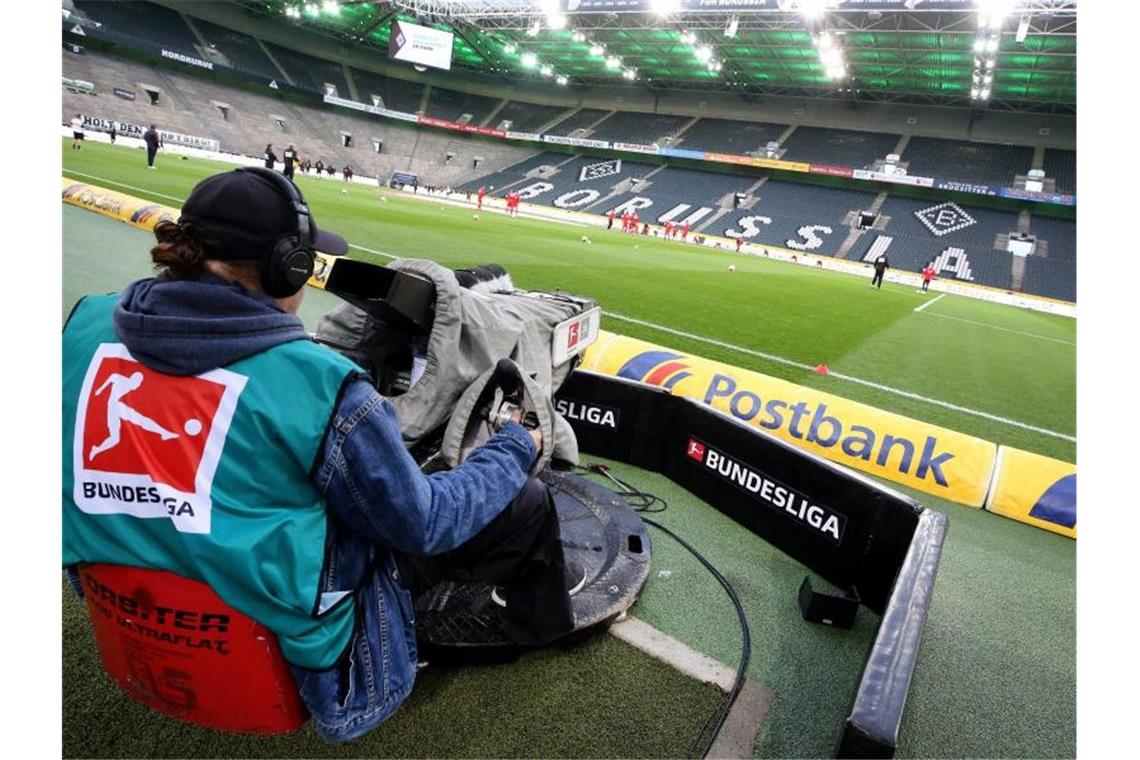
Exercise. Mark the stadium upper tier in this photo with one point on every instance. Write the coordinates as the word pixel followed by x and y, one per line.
pixel 149 26
pixel 190 105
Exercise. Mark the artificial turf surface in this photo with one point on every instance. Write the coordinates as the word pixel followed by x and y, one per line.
pixel 996 674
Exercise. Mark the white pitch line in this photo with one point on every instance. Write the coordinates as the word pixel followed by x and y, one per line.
pixel 373 250
pixel 1003 329
pixel 936 299
pixel 676 653
pixel 849 378
pixel 69 172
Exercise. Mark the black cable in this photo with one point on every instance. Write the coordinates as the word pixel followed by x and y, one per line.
pixel 648 503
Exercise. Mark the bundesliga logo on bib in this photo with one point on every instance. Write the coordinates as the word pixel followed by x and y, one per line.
pixel 148 444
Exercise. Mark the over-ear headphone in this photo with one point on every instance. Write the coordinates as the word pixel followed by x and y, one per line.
pixel 290 264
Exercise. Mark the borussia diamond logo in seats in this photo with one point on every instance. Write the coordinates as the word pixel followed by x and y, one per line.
pixel 945 218
pixel 600 169
pixel 400 39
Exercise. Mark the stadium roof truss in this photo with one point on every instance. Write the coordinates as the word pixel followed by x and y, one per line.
pixel 892 53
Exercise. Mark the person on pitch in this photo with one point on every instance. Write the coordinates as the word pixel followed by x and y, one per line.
pixel 322 527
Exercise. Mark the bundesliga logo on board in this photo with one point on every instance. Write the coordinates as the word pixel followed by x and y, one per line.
pixel 148 444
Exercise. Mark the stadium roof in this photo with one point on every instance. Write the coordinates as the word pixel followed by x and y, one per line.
pixel 1000 54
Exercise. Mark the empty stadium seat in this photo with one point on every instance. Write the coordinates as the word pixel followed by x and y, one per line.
pixel 526 117
pixel 173 645
pixel 241 50
pixel 842 147
pixel 643 128
pixel 151 24
pixel 397 94
pixel 987 163
pixel 1061 165
pixel 580 120
pixel 451 105
pixel 730 136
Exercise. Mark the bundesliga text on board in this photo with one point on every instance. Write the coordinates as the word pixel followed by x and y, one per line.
pixel 148 444
pixel 771 492
pixel 590 413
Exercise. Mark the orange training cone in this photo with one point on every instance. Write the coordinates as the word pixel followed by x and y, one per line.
pixel 822 370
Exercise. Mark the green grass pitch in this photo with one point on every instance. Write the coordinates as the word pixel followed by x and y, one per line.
pixel 1000 360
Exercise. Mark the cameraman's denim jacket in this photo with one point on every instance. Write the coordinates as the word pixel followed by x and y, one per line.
pixel 379 500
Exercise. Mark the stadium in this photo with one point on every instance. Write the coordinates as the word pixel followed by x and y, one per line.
pixel 809 269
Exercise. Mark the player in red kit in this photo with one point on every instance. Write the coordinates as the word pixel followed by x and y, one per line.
pixel 685 233
pixel 739 242
pixel 668 230
pixel 481 193
pixel 927 276
pixel 610 220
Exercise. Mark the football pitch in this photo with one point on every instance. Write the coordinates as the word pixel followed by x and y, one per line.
pixel 996 673
pixel 1000 373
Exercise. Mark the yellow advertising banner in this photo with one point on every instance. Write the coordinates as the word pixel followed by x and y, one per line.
pixel 1035 490
pixel 761 163
pixel 932 459
pixel 144 214
pixel 125 208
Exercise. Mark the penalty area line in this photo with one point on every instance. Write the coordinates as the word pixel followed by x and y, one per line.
pixel 848 378
pixel 934 300
pixel 1004 329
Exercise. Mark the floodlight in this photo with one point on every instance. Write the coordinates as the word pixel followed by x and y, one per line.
pixel 979 46
pixel 989 63
pixel 812 9
pixel 579 37
pixel 1022 29
pixel 546 71
pixel 560 79
pixel 733 24
pixel 596 49
pixel 510 48
pixel 556 21
pixel 533 29
pixel 529 60
pixel 689 38
pixel 974 92
pixel 992 45
pixel 331 6
pixel 988 78
pixel 613 62
pixel 312 9
pixel 986 93
pixel 665 7
pixel 825 41
pixel 703 53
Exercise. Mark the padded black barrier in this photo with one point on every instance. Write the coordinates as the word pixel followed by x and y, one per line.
pixel 872 729
pixel 843 526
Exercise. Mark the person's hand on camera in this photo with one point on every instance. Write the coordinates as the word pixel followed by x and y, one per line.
pixel 535 432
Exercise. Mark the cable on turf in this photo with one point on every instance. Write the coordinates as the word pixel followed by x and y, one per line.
pixel 647 503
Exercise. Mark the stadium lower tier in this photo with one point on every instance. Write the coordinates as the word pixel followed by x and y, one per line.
pixel 965 243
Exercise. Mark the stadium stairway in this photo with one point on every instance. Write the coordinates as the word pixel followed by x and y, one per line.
pixel 276 64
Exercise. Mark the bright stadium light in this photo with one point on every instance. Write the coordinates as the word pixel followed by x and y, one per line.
pixel 597 49
pixel 689 38
pixel 812 9
pixel 992 13
pixel 331 7
pixel 703 53
pixel 979 45
pixel 560 79
pixel 974 93
pixel 1022 29
pixel 529 60
pixel 312 9
pixel 989 63
pixel 665 7
pixel 534 28
pixel 630 74
pixel 986 93
pixel 546 71
pixel 613 62
pixel 733 25
pixel 510 48
pixel 579 37
pixel 556 21
pixel 992 45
